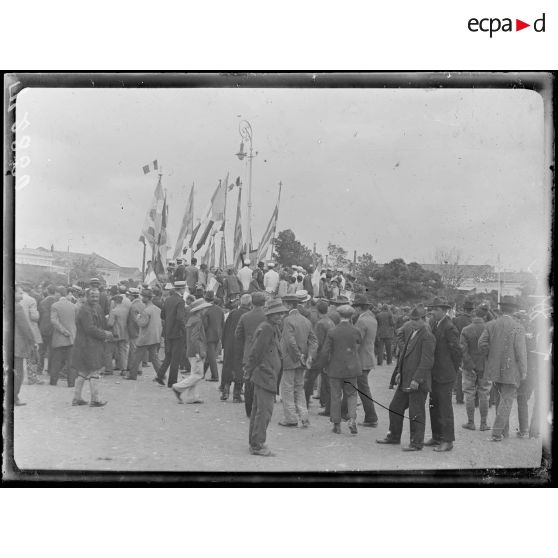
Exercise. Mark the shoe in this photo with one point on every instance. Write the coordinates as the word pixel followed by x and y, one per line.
pixel 123 373
pixel 432 442
pixel 305 423
pixel 71 385
pixel 237 400
pixel 128 378
pixel 196 402
pixel 495 438
pixel 178 395
pixel 109 373
pixel 353 427
pixel 212 380
pixel 388 440
pixel 484 426
pixel 459 402
pixel 140 372
pixel 315 397
pixel 522 434
pixel 368 424
pixel 469 426
pixel 336 428
pixel 323 414
pixel 98 403
pixel 159 381
pixel 19 403
pixel 444 446
pixel 224 396
pixel 77 402
pixel 263 452
pixel 291 424
pixel 410 447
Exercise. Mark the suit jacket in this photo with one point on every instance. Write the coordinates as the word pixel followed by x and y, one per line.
pixel 321 329
pixel 298 341
pixel 23 335
pixel 473 357
pixel 63 317
pixel 368 326
pixel 88 351
pixel 232 350
pixel 264 357
pixel 45 325
pixel 174 316
pixel 503 341
pixel 136 306
pixel 447 356
pixel 417 359
pixel 342 349
pixel 151 326
pixel 29 305
pixel 118 321
pixel 246 328
pixel 196 343
pixel 386 325
pixel 307 284
pixel 462 320
pixel 213 321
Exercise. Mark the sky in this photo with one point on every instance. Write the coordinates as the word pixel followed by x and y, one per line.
pixel 391 172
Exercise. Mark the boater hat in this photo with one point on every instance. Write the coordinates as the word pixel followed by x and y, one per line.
pixel 198 305
pixel 179 284
pixel 303 296
pixel 275 306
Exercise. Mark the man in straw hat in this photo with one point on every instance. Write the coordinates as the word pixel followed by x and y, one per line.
pixel 262 369
pixel 503 343
pixel 196 351
pixel 413 381
pixel 447 359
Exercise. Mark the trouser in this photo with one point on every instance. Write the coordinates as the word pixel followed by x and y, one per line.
pixel 441 412
pixel 262 409
pixel 173 354
pixel 248 397
pixel 414 401
pixel 189 386
pixel 122 351
pixel 309 382
pixel 110 353
pixel 366 397
pixel 506 395
pixel 459 387
pixel 523 394
pixel 60 358
pixel 325 393
pixel 292 396
pixel 44 350
pixel 384 342
pixel 152 352
pixel 476 385
pixel 93 379
pixel 132 349
pixel 340 387
pixel 211 360
pixel 18 376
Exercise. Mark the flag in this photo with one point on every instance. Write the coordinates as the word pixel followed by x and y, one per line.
pixel 150 277
pixel 212 254
pixel 223 254
pixel 269 233
pixel 147 168
pixel 238 245
pixel 214 215
pixel 160 259
pixel 187 227
pixel 152 223
pixel 235 183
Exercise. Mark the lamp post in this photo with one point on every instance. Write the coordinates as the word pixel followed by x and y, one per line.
pixel 247 136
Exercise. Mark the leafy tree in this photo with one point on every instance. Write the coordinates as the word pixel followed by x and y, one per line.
pixel 289 251
pixel 337 256
pixel 82 269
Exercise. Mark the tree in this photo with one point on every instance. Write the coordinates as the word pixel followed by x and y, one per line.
pixel 364 271
pixel 289 251
pixel 451 270
pixel 337 256
pixel 398 282
pixel 82 269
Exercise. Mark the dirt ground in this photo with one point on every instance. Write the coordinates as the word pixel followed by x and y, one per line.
pixel 143 428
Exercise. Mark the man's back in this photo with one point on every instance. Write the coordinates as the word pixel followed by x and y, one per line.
pixel 214 319
pixel 368 326
pixel 174 315
pixel 298 340
pixel 246 327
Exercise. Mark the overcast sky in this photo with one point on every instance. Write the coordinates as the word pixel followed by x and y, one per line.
pixel 396 173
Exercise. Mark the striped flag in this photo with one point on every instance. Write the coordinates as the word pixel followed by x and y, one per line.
pixel 160 259
pixel 147 168
pixel 187 227
pixel 152 224
pixel 238 245
pixel 214 215
pixel 269 233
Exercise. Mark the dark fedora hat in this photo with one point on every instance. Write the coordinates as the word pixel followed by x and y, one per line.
pixel 209 296
pixel 468 305
pixel 439 303
pixel 417 312
pixel 361 300
pixel 508 301
pixel 275 306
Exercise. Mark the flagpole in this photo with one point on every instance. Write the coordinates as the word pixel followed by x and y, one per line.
pixel 275 228
pixel 143 262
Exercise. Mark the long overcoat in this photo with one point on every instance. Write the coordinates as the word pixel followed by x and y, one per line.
pixel 89 346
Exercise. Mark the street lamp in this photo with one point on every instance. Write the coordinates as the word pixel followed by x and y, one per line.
pixel 246 134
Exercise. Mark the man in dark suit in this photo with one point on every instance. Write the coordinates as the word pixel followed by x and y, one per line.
pixel 45 325
pixel 460 321
pixel 385 333
pixel 213 322
pixel 413 376
pixel 244 335
pixel 447 359
pixel 174 316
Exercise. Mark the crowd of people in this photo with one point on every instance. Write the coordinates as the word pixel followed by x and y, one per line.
pixel 291 335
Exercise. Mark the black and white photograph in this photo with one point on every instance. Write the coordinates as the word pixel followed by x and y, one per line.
pixel 278 273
